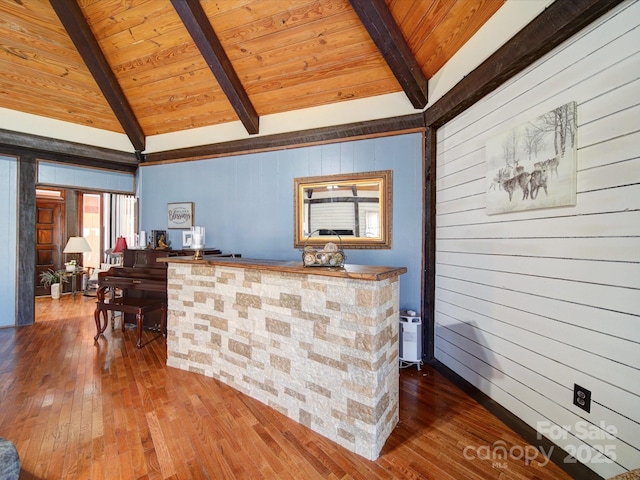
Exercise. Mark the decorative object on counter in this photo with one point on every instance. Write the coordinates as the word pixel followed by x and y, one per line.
pixel 330 255
pixel 180 215
pixel 158 240
pixel 197 241
pixel 70 266
pixel 630 475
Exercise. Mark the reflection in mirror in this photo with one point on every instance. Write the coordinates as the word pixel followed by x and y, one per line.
pixel 353 209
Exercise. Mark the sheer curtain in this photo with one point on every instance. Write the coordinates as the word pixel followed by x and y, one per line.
pixel 120 219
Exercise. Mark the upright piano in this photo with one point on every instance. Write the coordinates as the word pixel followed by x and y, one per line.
pixel 140 276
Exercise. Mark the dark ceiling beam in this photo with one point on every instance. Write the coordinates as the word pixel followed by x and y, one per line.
pixel 557 23
pixel 80 33
pixel 46 148
pixel 201 31
pixel 385 33
pixel 315 136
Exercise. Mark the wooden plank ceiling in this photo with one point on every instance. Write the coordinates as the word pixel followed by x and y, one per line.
pixel 148 67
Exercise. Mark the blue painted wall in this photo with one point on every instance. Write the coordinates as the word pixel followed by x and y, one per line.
pixel 8 240
pixel 246 202
pixel 70 176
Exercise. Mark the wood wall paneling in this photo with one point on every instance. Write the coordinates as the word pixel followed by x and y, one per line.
pixel 83 177
pixel 529 303
pixel 559 22
pixel 261 225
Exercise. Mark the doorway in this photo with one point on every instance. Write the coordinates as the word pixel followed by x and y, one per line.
pixel 50 234
pixel 61 213
pixel 92 230
pixel 97 216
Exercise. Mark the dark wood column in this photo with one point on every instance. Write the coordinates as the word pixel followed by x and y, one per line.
pixel 25 304
pixel 429 244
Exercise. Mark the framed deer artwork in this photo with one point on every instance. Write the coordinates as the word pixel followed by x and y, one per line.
pixel 533 165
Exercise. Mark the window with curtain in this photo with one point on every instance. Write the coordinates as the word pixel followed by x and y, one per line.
pixel 120 220
pixel 102 226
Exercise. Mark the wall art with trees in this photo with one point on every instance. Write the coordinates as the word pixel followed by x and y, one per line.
pixel 533 165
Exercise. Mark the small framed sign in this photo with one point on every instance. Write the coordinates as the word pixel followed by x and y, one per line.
pixel 187 239
pixel 180 215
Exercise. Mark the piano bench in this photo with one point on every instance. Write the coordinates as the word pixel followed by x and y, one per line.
pixel 138 306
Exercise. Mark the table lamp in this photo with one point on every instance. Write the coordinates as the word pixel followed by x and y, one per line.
pixel 77 245
pixel 121 245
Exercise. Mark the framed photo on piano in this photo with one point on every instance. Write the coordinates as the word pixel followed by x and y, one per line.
pixel 186 239
pixel 158 239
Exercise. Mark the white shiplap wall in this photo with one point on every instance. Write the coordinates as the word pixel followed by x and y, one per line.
pixel 529 303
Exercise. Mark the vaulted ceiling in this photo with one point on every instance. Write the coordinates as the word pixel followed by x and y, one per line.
pixel 149 67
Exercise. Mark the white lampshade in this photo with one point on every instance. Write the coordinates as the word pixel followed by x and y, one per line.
pixel 77 245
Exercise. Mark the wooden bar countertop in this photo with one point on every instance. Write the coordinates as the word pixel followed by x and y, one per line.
pixel 359 272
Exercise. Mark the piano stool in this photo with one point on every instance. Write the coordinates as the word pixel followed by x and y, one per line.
pixel 138 306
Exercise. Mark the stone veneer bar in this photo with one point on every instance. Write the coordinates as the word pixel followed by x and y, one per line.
pixel 318 345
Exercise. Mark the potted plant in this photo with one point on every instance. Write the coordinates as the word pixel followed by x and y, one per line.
pixel 52 279
pixel 70 266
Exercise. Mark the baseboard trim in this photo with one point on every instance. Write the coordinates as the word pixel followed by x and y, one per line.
pixel 575 470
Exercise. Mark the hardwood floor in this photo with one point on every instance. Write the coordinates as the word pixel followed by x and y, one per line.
pixel 76 410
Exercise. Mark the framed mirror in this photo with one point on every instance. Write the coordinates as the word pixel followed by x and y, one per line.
pixel 353 209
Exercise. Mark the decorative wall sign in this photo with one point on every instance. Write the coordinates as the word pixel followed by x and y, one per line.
pixel 533 165
pixel 180 215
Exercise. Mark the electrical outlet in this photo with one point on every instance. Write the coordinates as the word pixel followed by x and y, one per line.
pixel 582 397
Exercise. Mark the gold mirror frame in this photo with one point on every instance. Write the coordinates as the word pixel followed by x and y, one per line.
pixel 349 184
